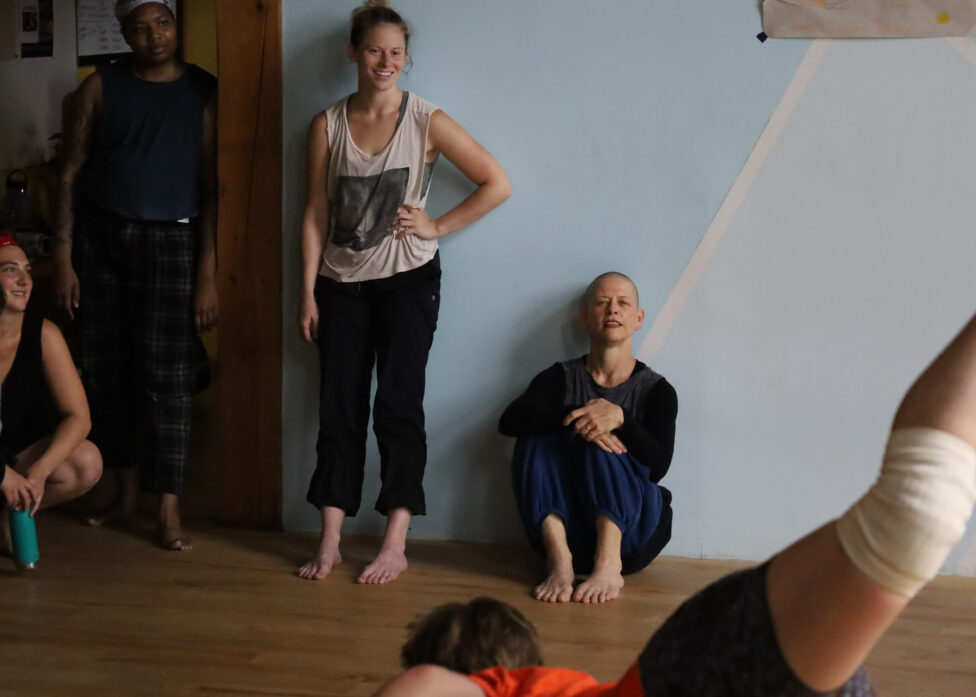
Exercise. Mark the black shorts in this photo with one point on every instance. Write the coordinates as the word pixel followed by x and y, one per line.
pixel 721 643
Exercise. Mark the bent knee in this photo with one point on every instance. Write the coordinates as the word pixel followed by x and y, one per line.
pixel 547 439
pixel 86 461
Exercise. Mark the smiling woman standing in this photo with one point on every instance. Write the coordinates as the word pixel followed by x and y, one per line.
pixel 371 281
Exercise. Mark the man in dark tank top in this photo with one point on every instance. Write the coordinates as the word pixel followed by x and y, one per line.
pixel 136 255
pixel 595 436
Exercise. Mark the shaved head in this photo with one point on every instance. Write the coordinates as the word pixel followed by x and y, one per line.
pixel 594 284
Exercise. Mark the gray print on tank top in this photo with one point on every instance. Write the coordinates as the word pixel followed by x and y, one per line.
pixel 365 207
pixel 428 173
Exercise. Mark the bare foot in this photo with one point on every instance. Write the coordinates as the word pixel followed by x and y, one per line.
pixel 124 504
pixel 558 586
pixel 171 535
pixel 117 510
pixel 387 567
pixel 603 585
pixel 321 565
pixel 173 539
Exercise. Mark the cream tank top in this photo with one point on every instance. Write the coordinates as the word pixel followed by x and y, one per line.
pixel 365 191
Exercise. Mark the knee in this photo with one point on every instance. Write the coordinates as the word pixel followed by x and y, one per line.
pixel 557 444
pixel 594 455
pixel 394 417
pixel 86 461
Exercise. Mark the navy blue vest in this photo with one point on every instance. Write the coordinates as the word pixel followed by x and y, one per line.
pixel 146 155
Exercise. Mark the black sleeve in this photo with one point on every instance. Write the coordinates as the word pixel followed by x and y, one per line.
pixel 540 408
pixel 652 441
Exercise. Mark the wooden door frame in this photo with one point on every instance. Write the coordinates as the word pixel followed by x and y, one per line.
pixel 249 355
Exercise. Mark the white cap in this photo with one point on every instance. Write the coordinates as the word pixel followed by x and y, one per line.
pixel 124 7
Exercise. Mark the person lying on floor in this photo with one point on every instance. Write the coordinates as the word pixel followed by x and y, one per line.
pixel 802 623
pixel 494 644
pixel 595 435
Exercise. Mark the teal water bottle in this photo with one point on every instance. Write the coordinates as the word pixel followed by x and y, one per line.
pixel 24 537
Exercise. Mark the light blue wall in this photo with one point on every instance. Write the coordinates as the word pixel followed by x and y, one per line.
pixel 621 126
pixel 846 269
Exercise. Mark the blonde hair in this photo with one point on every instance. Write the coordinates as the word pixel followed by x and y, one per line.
pixel 371 14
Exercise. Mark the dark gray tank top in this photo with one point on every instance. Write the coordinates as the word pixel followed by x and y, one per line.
pixel 147 151
pixel 629 395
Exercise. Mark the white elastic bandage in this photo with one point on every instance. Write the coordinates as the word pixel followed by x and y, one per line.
pixel 901 531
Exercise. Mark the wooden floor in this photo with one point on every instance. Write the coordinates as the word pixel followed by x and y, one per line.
pixel 108 614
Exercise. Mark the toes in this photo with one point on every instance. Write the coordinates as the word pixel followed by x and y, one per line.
pixel 176 544
pixel 584 594
pixel 378 577
pixel 553 591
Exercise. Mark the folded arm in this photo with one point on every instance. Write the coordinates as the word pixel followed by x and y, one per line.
pixel 474 162
pixel 540 408
pixel 651 441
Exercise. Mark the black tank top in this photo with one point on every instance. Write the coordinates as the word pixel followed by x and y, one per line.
pixel 26 410
pixel 146 155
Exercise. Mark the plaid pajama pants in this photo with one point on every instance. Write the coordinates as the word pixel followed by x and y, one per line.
pixel 135 343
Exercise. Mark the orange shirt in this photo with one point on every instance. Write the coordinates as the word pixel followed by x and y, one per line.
pixel 539 681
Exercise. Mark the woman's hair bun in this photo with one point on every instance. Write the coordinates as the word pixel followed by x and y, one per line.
pixel 372 13
pixel 369 4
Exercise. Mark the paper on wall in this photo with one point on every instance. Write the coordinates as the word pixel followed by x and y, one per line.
pixel 868 18
pixel 98 29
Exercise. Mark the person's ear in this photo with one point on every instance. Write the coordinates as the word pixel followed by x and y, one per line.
pixel 640 318
pixel 351 52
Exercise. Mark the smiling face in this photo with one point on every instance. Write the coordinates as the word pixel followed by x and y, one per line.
pixel 15 275
pixel 150 31
pixel 610 312
pixel 380 57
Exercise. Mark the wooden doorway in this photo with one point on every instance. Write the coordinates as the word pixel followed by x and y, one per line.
pixel 247 443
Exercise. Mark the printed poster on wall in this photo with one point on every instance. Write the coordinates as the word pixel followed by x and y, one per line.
pixel 868 18
pixel 98 31
pixel 37 29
